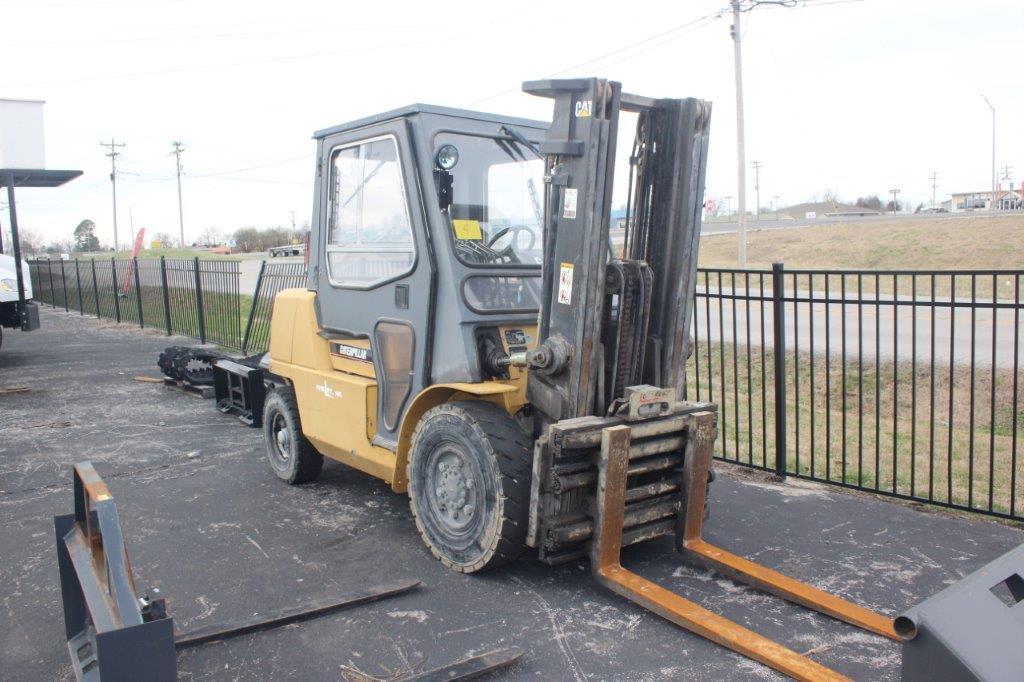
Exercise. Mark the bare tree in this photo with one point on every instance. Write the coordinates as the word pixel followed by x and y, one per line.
pixel 210 236
pixel 165 239
pixel 31 242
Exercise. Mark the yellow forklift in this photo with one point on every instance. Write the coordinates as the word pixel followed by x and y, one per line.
pixel 470 334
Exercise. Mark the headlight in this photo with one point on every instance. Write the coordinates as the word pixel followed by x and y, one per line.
pixel 446 157
pixel 8 285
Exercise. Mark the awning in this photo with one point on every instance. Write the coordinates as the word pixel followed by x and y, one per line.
pixel 36 177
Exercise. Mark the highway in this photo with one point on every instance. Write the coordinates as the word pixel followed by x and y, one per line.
pixel 900 331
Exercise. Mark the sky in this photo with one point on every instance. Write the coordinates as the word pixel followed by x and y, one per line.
pixel 852 97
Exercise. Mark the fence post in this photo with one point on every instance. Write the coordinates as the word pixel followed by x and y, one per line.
pixel 252 308
pixel 138 291
pixel 95 288
pixel 167 301
pixel 200 314
pixel 779 325
pixel 64 286
pixel 113 285
pixel 78 281
pixel 49 272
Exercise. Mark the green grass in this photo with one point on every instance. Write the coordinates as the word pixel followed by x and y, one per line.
pixel 912 447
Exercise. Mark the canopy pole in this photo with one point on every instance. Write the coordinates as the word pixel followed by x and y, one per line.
pixel 16 248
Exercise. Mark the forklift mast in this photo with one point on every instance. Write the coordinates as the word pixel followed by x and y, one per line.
pixel 608 323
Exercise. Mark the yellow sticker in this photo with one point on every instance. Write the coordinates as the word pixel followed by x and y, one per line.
pixel 467 229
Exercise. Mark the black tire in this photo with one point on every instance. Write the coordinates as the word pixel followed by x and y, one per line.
pixel 168 360
pixel 469 485
pixel 292 458
pixel 195 365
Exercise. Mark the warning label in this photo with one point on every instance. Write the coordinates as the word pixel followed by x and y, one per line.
pixel 569 205
pixel 565 284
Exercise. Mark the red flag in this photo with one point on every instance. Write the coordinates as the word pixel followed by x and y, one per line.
pixel 131 264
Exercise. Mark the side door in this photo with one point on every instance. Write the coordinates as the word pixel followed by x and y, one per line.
pixel 373 276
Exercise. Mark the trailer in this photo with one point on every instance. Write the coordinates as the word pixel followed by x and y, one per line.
pixel 287 250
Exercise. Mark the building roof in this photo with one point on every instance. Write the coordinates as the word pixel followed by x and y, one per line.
pixel 985 192
pixel 430 109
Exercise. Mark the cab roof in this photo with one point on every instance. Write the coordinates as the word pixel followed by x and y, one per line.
pixel 413 109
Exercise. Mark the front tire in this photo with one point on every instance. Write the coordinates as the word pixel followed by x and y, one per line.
pixel 292 458
pixel 469 485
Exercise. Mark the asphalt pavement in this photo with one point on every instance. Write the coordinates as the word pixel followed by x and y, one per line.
pixel 208 523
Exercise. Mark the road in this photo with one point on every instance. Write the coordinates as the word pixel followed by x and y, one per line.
pixel 249 270
pixel 768 222
pixel 898 332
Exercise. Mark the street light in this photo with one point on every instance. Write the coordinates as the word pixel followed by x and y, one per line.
pixel 992 206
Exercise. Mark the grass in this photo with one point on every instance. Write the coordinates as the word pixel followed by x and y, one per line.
pixel 942 243
pixel 898 439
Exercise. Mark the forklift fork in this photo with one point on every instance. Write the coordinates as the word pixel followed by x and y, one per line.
pixel 606 567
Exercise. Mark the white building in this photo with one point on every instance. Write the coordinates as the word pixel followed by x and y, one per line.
pixel 1006 200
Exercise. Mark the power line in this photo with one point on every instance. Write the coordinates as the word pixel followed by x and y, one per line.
pixel 204 67
pixel 741 7
pixel 237 179
pixel 248 34
pixel 34 4
pixel 707 18
pixel 202 174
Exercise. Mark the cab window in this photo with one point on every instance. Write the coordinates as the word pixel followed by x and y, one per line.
pixel 370 238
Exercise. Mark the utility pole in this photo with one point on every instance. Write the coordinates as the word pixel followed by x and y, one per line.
pixel 992 207
pixel 756 165
pixel 113 154
pixel 741 178
pixel 935 184
pixel 293 221
pixel 894 191
pixel 775 205
pixel 178 149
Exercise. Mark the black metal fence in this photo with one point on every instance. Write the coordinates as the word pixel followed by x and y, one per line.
pixel 903 383
pixel 272 278
pixel 191 297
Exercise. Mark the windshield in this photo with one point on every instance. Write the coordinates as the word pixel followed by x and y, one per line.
pixel 497 190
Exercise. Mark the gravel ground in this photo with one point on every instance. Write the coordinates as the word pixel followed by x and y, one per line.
pixel 207 523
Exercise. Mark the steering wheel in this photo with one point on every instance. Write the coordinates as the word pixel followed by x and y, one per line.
pixel 516 230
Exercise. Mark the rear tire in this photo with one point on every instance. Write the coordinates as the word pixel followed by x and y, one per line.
pixel 469 485
pixel 292 458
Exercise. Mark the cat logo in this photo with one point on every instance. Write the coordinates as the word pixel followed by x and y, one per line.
pixel 584 108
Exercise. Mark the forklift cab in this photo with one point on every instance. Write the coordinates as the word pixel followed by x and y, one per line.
pixel 426 254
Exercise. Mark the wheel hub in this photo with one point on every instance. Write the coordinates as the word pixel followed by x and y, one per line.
pixel 282 439
pixel 454 490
